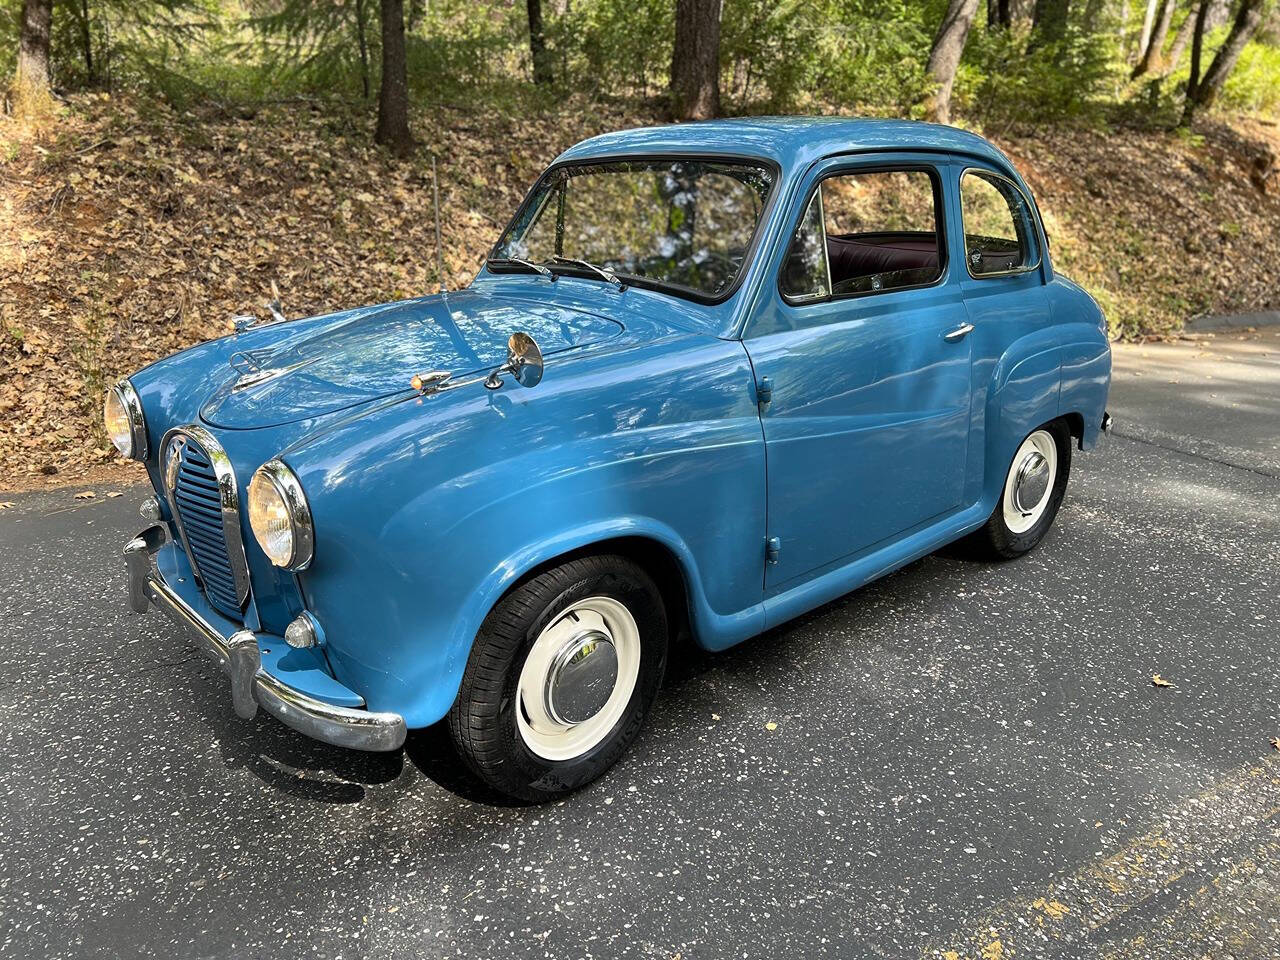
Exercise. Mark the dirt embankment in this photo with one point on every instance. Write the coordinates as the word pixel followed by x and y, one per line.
pixel 130 232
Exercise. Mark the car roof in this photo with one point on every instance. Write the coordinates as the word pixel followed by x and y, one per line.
pixel 788 141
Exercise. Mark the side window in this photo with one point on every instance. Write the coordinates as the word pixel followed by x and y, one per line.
pixel 864 233
pixel 998 227
pixel 805 275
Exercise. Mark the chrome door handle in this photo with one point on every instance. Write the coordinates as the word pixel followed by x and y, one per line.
pixel 959 333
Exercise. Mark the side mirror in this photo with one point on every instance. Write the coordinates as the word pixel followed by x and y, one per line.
pixel 524 362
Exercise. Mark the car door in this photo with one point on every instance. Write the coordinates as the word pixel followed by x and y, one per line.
pixel 862 360
pixel 1001 270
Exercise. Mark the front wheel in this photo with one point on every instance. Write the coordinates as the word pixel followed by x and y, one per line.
pixel 1033 491
pixel 561 677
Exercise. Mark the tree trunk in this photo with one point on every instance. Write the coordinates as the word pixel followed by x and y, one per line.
pixel 86 42
pixel 1152 58
pixel 998 15
pixel 1048 22
pixel 31 82
pixel 538 43
pixel 1093 11
pixel 695 61
pixel 393 97
pixel 1181 40
pixel 1248 19
pixel 944 58
pixel 1197 47
pixel 1148 23
pixel 363 41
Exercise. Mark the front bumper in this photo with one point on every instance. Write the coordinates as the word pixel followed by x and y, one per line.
pixel 240 659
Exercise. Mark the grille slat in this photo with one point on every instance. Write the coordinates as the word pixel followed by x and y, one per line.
pixel 201 510
pixel 199 505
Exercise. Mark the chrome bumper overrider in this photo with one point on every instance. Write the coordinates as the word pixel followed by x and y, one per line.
pixel 251 686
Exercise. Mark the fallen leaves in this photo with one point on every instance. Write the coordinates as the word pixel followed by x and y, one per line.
pixel 7 504
pixel 771 725
pixel 1275 743
pixel 84 495
pixel 1159 681
pixel 1054 909
pixel 113 494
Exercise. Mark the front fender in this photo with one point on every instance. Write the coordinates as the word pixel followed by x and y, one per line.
pixel 426 512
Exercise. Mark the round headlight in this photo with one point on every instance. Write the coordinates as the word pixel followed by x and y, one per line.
pixel 116 420
pixel 122 418
pixel 280 517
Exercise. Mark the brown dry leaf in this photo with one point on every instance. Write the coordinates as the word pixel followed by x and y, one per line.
pixel 1159 681
pixel 84 495
pixel 7 504
pixel 113 494
pixel 1275 743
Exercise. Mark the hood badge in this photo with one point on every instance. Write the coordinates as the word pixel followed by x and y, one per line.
pixel 251 365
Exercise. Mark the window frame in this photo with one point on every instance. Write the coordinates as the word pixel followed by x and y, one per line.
pixel 680 292
pixel 940 220
pixel 1033 214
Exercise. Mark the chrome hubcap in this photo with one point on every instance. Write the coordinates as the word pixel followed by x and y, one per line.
pixel 582 676
pixel 1031 483
pixel 578 679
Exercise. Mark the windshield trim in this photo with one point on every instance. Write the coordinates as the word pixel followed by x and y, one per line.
pixel 648 283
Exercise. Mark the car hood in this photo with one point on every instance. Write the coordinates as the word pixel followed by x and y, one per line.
pixel 337 362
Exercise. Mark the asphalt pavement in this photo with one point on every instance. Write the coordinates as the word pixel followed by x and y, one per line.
pixel 962 760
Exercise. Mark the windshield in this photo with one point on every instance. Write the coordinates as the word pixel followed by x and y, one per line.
pixel 680 224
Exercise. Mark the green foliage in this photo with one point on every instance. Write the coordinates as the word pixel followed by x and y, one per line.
pixel 1071 81
pixel 873 54
pixel 865 56
pixel 1254 85
pixel 770 53
pixel 10 14
pixel 612 47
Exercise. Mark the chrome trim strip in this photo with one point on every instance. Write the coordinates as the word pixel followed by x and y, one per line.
pixel 251 686
pixel 137 422
pixel 229 497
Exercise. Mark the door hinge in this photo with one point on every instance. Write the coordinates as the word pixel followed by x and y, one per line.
pixel 764 390
pixel 772 548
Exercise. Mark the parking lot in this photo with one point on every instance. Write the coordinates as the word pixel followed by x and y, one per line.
pixel 961 758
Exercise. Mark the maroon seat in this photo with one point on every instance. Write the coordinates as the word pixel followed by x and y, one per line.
pixel 853 255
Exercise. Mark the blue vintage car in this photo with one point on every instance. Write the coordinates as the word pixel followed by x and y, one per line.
pixel 710 377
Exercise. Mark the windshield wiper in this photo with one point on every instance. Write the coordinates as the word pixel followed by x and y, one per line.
pixel 521 262
pixel 588 265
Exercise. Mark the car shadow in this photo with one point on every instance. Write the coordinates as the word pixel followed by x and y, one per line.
pixel 432 752
pixel 293 764
pixel 289 762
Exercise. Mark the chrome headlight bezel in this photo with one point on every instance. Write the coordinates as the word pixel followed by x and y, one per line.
pixel 135 446
pixel 275 479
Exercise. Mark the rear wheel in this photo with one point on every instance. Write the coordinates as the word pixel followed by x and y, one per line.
pixel 1032 493
pixel 561 676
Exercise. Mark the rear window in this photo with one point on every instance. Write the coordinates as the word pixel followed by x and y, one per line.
pixel 999 236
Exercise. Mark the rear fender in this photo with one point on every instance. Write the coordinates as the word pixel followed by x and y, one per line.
pixel 1023 394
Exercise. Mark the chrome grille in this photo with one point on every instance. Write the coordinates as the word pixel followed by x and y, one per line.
pixel 202 495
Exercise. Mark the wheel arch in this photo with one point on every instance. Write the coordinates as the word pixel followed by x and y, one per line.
pixel 652 555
